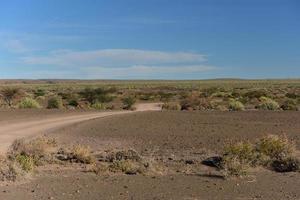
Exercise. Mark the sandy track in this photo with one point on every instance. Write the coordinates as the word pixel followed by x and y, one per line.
pixel 11 130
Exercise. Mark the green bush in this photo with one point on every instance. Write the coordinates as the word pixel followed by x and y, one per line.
pixel 97 95
pixel 267 104
pixel 236 105
pixel 28 103
pixel 26 162
pixel 55 103
pixel 39 93
pixel 128 102
pixel 73 102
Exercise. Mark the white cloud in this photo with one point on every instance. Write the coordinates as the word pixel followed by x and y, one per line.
pixel 16 46
pixel 113 57
pixel 145 72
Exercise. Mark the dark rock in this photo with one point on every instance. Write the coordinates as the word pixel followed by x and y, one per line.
pixel 189 162
pixel 286 165
pixel 214 161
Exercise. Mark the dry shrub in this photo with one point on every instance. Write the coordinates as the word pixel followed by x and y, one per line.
pixel 236 105
pixel 98 168
pixel 29 154
pixel 275 152
pixel 233 166
pixel 244 151
pixel 195 102
pixel 28 103
pixel 221 108
pixel 290 104
pixel 125 166
pixel 128 162
pixel 10 171
pixel 238 158
pixel 37 148
pixel 82 154
pixel 123 155
pixel 55 103
pixel 276 147
pixel 128 102
pixel 267 104
pixel 256 93
pixel 171 106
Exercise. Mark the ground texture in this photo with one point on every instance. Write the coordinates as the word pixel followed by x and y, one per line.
pixel 174 139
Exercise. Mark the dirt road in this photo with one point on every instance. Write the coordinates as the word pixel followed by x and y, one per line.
pixel 19 128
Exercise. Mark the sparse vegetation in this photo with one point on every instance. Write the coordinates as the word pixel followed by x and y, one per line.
pixel 98 106
pixel 82 154
pixel 289 104
pixel 128 102
pixel 267 104
pixel 171 106
pixel 97 95
pixel 276 152
pixel 190 95
pixel 238 158
pixel 39 93
pixel 235 105
pixel 55 103
pixel 27 103
pixel 26 162
pixel 276 147
pixel 125 166
pixel 73 102
pixel 9 94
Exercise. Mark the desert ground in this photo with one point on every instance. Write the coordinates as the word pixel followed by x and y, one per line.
pixel 172 138
pixel 149 140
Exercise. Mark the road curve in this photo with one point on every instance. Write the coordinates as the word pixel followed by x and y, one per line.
pixel 14 130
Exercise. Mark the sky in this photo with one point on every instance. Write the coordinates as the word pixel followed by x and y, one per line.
pixel 149 39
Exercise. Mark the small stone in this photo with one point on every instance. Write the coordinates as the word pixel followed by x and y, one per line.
pixel 189 162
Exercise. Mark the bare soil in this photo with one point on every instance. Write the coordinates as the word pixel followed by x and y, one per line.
pixel 19 124
pixel 172 138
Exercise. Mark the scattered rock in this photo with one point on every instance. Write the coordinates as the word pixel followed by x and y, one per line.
pixel 124 155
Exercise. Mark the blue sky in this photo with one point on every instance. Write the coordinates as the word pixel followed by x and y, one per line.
pixel 149 39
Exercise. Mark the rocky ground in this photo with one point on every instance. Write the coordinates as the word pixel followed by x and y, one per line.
pixel 177 142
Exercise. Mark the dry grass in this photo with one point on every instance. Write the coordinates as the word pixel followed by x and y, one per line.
pixel 36 148
pixel 267 104
pixel 238 158
pixel 276 147
pixel 272 151
pixel 82 154
pixel 235 105
pixel 125 166
pixel 171 106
